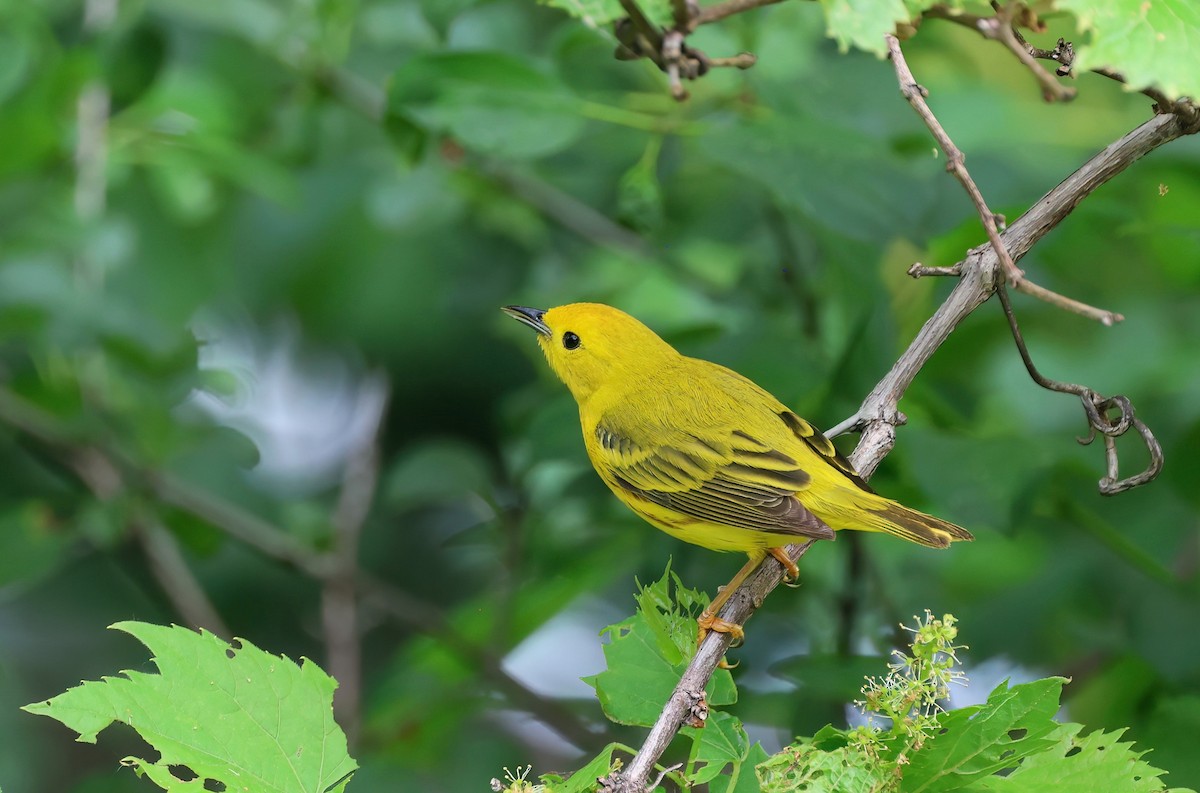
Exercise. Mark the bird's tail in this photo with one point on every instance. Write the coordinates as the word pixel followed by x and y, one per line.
pixel 876 513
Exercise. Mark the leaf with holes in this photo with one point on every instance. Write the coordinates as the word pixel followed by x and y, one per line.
pixel 1150 43
pixel 1074 764
pixel 975 742
pixel 223 716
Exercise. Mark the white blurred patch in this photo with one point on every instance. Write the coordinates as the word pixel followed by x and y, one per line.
pixel 307 412
pixel 552 659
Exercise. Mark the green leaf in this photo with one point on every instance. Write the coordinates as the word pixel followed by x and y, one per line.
pixel 583 780
pixel 1150 43
pixel 743 778
pixel 975 742
pixel 227 712
pixel 721 742
pixel 1099 761
pixel 863 23
pixel 649 652
pixel 491 102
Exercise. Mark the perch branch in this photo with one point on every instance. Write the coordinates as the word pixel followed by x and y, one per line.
pixel 879 414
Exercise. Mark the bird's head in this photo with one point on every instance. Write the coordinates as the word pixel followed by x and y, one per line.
pixel 590 345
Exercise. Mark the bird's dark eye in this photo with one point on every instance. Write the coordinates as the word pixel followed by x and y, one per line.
pixel 570 340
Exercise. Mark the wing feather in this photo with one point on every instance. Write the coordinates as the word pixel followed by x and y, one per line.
pixel 736 481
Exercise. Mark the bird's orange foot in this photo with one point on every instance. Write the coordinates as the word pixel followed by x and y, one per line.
pixel 711 622
pixel 791 573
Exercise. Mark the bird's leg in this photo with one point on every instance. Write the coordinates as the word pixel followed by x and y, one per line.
pixel 791 573
pixel 709 621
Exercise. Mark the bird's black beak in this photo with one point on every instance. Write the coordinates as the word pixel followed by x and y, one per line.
pixel 529 316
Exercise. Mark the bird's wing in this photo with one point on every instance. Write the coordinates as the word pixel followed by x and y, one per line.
pixel 731 479
pixel 815 440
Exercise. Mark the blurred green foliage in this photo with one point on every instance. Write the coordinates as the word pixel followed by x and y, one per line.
pixel 289 197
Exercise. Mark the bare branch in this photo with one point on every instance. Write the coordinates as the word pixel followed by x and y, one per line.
pixel 339 598
pixel 956 164
pixel 1001 28
pixel 171 571
pixel 638 37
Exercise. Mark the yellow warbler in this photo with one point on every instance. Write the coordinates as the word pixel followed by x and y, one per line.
pixel 705 454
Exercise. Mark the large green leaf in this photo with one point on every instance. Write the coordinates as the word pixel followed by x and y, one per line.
pixel 1150 43
pixel 217 712
pixel 1075 764
pixel 975 742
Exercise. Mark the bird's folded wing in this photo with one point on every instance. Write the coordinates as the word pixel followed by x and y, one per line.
pixel 730 479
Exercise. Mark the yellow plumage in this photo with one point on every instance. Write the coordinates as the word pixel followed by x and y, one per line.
pixel 700 451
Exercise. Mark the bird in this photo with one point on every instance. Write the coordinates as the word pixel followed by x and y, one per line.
pixel 705 454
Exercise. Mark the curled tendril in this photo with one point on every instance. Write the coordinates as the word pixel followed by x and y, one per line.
pixel 1111 417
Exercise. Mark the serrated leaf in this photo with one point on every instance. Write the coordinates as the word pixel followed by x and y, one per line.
pixel 639 679
pixel 975 742
pixel 1098 761
pixel 226 712
pixel 648 653
pixel 1150 42
pixel 863 23
pixel 721 742
pixel 490 102
pixel 583 780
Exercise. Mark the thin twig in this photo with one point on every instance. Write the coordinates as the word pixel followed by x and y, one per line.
pixel 955 164
pixel 645 28
pixel 339 598
pixel 1097 409
pixel 1000 28
pixel 919 270
pixel 170 569
pixel 1185 107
